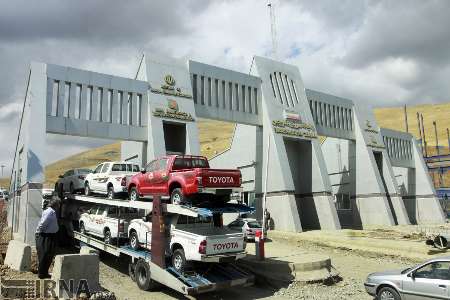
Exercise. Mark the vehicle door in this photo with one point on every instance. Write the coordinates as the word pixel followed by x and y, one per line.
pixel 145 229
pixel 147 179
pixel 103 177
pixel 160 176
pixel 94 182
pixel 100 220
pixel 431 281
pixel 89 224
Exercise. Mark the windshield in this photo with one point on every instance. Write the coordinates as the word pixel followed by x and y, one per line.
pixel 254 224
pixel 189 163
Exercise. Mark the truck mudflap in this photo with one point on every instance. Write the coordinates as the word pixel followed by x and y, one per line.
pixel 213 278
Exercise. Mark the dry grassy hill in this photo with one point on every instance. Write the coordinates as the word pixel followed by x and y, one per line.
pixel 216 136
pixel 4 182
pixel 393 118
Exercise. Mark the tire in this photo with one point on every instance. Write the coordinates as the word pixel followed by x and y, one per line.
pixel 143 276
pixel 177 197
pixel 388 293
pixel 107 237
pixel 71 189
pixel 179 260
pixel 82 228
pixel 134 195
pixel 132 271
pixel 87 190
pixel 110 193
pixel 134 240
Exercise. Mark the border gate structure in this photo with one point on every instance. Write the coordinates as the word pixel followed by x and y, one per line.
pixel 329 166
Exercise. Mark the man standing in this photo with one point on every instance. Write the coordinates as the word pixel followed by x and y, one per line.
pixel 46 238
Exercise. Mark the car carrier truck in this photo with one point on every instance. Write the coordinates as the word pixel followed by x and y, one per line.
pixel 152 268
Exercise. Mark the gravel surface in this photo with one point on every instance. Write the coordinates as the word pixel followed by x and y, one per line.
pixel 353 267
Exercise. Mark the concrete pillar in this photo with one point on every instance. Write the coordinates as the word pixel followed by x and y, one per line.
pixel 427 207
pixel 370 198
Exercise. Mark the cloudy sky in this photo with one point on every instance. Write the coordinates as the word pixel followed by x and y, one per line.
pixel 387 53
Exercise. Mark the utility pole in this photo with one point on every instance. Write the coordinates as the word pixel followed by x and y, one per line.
pixel 423 135
pixel 3 166
pixel 406 119
pixel 448 139
pixel 436 137
pixel 420 132
pixel 273 29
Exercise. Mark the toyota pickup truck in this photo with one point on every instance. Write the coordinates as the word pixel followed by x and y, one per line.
pixel 107 222
pixel 185 179
pixel 110 179
pixel 191 240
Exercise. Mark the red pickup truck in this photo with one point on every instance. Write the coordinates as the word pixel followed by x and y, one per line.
pixel 185 179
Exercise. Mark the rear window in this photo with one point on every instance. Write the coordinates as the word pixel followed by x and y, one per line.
pixel 189 163
pixel 254 224
pixel 190 220
pixel 119 168
pixel 84 171
pixel 132 168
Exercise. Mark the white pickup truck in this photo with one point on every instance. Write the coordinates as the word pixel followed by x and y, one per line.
pixel 107 222
pixel 110 179
pixel 191 239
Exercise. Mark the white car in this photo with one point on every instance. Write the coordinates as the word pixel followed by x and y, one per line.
pixel 247 226
pixel 107 222
pixel 110 179
pixel 191 239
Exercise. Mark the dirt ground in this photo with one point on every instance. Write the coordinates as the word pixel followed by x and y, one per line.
pixel 353 267
pixel 345 251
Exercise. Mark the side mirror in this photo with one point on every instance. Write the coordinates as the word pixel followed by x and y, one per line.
pixel 143 171
pixel 144 219
pixel 412 275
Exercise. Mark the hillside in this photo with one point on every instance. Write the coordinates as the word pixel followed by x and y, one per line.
pixel 216 136
pixel 393 118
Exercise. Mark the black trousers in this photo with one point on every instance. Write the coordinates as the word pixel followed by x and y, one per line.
pixel 46 250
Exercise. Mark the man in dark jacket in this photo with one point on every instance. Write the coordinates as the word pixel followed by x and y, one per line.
pixel 46 238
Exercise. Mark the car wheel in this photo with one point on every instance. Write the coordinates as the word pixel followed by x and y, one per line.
pixel 82 228
pixel 132 271
pixel 71 189
pixel 107 237
pixel 134 241
pixel 134 195
pixel 110 195
pixel 179 260
pixel 87 189
pixel 388 293
pixel 143 276
pixel 177 197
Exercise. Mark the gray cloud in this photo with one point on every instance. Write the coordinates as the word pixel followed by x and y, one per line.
pixel 416 29
pixel 378 52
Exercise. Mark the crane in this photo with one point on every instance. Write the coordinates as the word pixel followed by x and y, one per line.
pixel 273 29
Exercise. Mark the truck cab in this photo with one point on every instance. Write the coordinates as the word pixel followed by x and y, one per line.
pixel 107 222
pixel 109 178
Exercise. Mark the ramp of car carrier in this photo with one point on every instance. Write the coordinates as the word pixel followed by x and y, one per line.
pixel 209 277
